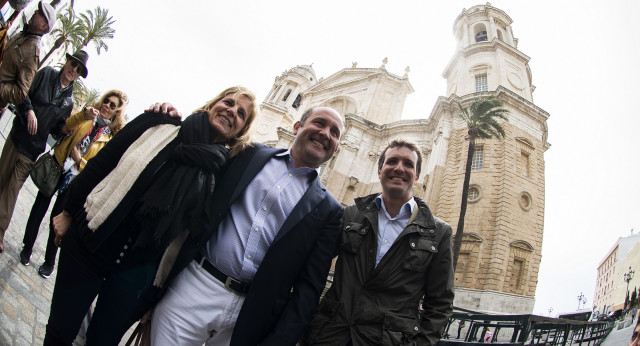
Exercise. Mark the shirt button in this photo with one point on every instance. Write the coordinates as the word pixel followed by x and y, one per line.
pixel 415 328
pixel 386 242
pixel 278 186
pixel 126 247
pixel 249 256
pixel 118 261
pixel 413 245
pixel 122 254
pixel 264 208
pixel 433 248
pixel 290 175
pixel 432 231
pixel 256 229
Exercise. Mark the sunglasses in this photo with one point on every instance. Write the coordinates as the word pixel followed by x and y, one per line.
pixel 76 65
pixel 110 103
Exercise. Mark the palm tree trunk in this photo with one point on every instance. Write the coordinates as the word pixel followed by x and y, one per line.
pixel 53 49
pixel 457 242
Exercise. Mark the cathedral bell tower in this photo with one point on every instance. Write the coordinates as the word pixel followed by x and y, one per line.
pixel 487 55
pixel 501 247
pixel 284 101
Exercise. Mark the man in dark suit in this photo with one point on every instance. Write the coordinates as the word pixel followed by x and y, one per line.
pixel 260 276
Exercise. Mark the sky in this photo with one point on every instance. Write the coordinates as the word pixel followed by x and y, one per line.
pixel 584 63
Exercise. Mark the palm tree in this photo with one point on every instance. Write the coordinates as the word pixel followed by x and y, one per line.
pixel 82 95
pixel 69 32
pixel 97 28
pixel 481 119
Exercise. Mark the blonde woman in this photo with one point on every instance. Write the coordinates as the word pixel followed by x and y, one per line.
pixel 91 129
pixel 129 212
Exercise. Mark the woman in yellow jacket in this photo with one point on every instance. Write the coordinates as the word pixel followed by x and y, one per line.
pixel 90 129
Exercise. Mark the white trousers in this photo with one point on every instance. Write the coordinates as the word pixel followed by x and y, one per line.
pixel 196 309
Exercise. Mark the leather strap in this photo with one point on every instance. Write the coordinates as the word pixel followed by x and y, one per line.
pixel 229 282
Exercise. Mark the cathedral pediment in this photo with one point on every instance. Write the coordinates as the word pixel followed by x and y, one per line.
pixel 350 77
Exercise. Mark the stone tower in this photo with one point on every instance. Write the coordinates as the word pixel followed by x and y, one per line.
pixel 500 256
pixel 501 250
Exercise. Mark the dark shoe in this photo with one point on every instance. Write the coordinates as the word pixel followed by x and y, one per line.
pixel 25 257
pixel 45 270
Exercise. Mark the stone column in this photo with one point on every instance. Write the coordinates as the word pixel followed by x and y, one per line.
pixel 492 29
pixel 465 34
pixel 283 87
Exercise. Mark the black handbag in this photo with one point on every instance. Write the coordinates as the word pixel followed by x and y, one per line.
pixel 46 174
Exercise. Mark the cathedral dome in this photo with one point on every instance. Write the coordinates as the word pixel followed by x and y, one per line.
pixel 306 71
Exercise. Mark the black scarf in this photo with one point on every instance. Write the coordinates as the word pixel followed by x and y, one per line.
pixel 176 199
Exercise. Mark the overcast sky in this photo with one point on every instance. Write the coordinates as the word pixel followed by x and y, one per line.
pixel 584 62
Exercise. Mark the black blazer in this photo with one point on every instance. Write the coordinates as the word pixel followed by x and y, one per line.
pixel 286 289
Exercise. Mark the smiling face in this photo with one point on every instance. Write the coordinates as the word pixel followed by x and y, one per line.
pixel 317 139
pixel 398 173
pixel 70 73
pixel 227 117
pixel 106 110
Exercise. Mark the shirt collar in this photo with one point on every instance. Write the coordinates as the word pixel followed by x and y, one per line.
pixel 287 156
pixel 408 207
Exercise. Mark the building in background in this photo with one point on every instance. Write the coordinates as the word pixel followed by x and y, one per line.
pixel 611 288
pixel 501 251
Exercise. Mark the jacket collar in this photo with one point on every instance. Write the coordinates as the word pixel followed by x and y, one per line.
pixel 367 206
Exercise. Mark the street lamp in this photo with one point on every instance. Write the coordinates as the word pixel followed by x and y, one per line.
pixel 627 277
pixel 581 300
pixel 550 309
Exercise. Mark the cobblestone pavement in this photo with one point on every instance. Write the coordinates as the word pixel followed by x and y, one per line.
pixel 24 295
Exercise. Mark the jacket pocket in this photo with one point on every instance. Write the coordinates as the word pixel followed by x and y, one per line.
pixel 421 250
pixel 353 235
pixel 327 311
pixel 329 307
pixel 398 330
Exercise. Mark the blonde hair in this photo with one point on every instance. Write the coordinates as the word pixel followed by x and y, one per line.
pixel 118 121
pixel 242 140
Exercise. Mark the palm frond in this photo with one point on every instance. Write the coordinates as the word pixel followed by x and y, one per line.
pixel 482 115
pixel 97 28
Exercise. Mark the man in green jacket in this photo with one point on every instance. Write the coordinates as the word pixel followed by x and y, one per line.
pixel 393 254
pixel 22 56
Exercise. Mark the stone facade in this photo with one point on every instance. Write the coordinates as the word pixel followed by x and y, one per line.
pixel 500 256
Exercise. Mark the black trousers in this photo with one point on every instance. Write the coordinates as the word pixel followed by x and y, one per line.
pixel 37 214
pixel 122 295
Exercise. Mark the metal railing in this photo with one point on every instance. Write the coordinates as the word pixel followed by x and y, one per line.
pixel 521 330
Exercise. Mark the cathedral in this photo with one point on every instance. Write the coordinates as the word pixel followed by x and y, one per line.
pixel 501 251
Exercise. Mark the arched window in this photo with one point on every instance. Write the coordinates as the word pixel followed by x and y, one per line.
pixel 480 32
pixel 296 102
pixel 286 95
pixel 500 37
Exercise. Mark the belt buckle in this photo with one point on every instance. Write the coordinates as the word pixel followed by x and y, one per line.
pixel 229 281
